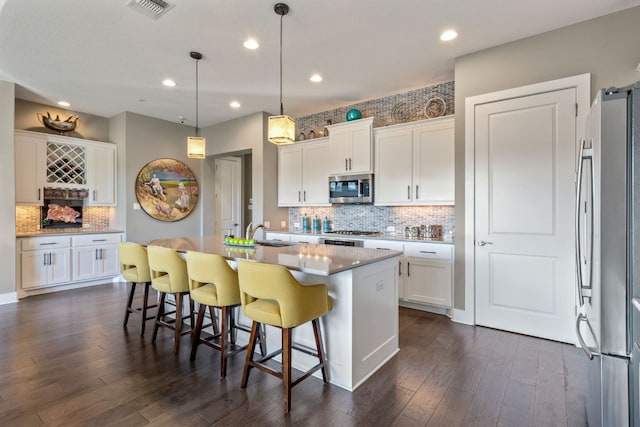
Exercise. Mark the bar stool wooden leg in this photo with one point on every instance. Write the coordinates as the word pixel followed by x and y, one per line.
pixel 195 335
pixel 224 327
pixel 318 336
pixel 286 367
pixel 145 306
pixel 158 316
pixel 128 309
pixel 214 321
pixel 178 325
pixel 249 355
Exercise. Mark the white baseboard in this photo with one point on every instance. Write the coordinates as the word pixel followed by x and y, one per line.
pixel 8 298
pixel 463 316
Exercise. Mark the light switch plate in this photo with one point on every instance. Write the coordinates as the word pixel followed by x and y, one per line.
pixel 391 229
pixel 267 224
pixel 136 206
pixel 283 224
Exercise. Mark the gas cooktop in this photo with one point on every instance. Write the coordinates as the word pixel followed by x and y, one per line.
pixel 354 232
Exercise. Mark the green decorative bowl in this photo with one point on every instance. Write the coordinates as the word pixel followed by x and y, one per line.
pixel 354 114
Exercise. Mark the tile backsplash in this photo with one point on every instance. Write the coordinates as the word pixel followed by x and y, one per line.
pixel 377 218
pixel 28 218
pixel 393 109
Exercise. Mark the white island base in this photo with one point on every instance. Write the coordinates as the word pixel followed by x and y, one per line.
pixel 360 333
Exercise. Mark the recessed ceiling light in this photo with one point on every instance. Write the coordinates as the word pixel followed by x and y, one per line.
pixel 251 44
pixel 234 104
pixel 448 35
pixel 64 104
pixel 168 83
pixel 316 78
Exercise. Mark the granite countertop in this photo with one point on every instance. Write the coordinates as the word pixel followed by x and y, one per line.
pixel 66 232
pixel 322 260
pixel 381 236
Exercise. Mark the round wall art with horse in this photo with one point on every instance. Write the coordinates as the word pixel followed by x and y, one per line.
pixel 166 189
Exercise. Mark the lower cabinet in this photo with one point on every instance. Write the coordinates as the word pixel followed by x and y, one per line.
pixel 45 261
pixel 63 262
pixel 425 271
pixel 95 256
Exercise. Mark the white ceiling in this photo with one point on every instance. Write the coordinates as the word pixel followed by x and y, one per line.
pixel 104 58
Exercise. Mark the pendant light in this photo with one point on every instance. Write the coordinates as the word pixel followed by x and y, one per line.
pixel 282 128
pixel 196 145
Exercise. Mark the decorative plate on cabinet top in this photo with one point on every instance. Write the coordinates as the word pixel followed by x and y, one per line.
pixel 400 113
pixel 435 107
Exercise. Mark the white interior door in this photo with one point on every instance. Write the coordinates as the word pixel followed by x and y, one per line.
pixel 524 229
pixel 228 187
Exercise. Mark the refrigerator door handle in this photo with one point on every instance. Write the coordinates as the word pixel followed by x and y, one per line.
pixel 577 223
pixel 589 351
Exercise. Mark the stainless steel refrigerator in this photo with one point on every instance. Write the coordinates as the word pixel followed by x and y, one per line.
pixel 608 256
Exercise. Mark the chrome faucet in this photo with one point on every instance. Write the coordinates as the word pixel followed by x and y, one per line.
pixel 252 231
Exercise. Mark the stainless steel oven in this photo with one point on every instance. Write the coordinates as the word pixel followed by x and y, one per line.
pixel 346 189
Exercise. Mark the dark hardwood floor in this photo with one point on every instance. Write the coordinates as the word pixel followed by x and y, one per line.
pixel 66 360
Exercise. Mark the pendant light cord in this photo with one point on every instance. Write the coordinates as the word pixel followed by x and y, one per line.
pixel 197 60
pixel 281 104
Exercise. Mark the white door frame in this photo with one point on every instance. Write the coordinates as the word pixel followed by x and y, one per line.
pixel 582 84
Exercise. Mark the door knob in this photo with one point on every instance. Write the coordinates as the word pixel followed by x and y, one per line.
pixel 482 243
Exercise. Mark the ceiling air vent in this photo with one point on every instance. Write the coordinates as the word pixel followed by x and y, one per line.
pixel 151 8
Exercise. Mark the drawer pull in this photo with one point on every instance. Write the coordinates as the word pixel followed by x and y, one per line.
pixel 428 252
pixel 48 244
pixel 99 240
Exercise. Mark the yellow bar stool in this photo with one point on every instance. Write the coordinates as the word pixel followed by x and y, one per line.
pixel 135 269
pixel 271 295
pixel 214 284
pixel 169 276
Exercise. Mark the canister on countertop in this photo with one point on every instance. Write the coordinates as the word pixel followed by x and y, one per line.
pixel 315 225
pixel 305 223
pixel 326 225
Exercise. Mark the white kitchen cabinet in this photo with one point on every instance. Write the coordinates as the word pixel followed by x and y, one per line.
pixel 45 261
pixel 101 167
pixel 30 167
pixel 425 271
pixel 44 160
pixel 415 163
pixel 303 174
pixel 95 256
pixel 427 274
pixel 351 146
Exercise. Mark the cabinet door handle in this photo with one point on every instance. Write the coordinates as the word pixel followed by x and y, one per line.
pixel 399 268
pixel 304 196
pixel 299 196
pixel 417 193
pixel 346 162
pixel 408 269
pixel 95 254
pixel 101 253
pixel 349 163
pixel 38 194
pixel 50 256
pixel 408 192
pixel 44 259
pixel 94 195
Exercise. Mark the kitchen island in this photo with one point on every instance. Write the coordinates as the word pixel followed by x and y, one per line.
pixel 361 331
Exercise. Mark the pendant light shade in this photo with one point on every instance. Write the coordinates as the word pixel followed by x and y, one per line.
pixel 196 145
pixel 282 128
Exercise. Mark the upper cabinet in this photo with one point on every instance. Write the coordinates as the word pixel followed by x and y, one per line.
pixel 351 148
pixel 101 163
pixel 63 162
pixel 30 167
pixel 415 163
pixel 303 174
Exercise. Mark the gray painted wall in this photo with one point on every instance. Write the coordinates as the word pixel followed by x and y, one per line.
pixel 147 139
pixel 238 137
pixel 7 197
pixel 89 126
pixel 606 47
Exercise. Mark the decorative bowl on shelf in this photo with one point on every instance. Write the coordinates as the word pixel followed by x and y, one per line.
pixel 354 114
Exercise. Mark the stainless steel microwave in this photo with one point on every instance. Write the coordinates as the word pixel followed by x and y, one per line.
pixel 351 189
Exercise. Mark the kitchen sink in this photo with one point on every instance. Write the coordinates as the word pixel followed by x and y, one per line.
pixel 274 243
